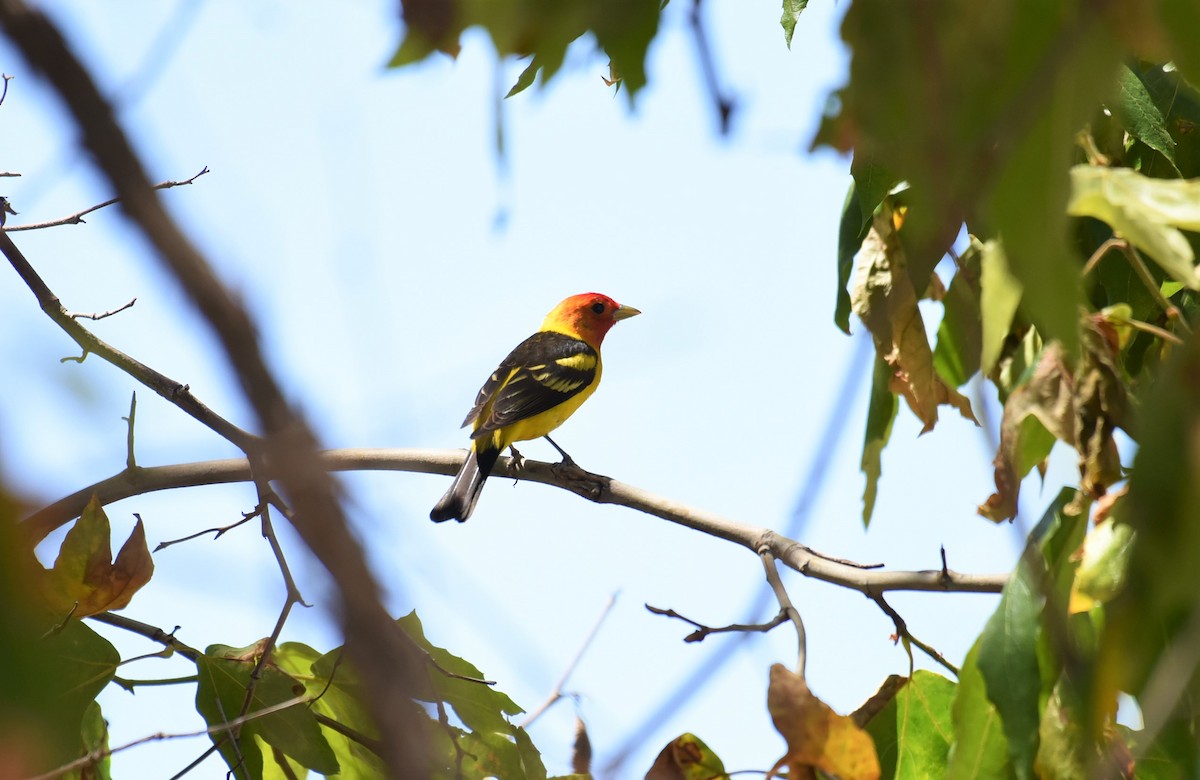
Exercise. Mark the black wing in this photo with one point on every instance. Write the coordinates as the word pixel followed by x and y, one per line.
pixel 543 371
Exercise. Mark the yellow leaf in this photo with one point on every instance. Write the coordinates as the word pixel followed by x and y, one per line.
pixel 817 737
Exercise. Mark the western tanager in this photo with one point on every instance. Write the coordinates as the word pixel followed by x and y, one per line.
pixel 534 390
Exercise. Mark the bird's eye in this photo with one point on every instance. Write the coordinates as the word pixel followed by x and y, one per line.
pixel 598 308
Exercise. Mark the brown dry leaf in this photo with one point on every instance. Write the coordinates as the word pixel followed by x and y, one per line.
pixel 817 737
pixel 882 698
pixel 883 297
pixel 1047 396
pixel 581 750
pixel 687 758
pixel 1081 406
pixel 85 579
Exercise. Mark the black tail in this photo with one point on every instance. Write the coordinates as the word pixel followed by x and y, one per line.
pixel 459 501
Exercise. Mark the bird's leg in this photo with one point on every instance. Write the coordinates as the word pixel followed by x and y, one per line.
pixel 570 473
pixel 518 460
pixel 567 460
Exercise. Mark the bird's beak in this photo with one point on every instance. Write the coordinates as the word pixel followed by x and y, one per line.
pixel 624 313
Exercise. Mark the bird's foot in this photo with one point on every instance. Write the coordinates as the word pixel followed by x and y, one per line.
pixel 517 462
pixel 569 474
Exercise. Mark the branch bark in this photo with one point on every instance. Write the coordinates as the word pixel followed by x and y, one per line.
pixel 847 574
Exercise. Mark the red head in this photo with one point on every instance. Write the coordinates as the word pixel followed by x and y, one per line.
pixel 587 316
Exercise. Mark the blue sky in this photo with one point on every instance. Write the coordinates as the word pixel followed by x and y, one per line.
pixel 391 260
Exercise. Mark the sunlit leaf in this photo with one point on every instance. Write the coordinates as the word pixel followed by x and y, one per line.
pixel 1148 212
pixel 85 579
pixel 817 737
pixel 791 15
pixel 980 749
pixel 883 297
pixel 957 354
pixel 914 732
pixel 999 296
pixel 224 675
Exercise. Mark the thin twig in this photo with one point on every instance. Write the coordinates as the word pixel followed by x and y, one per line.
pixel 1154 330
pixel 152 633
pixel 78 217
pixel 1143 273
pixel 129 684
pixel 100 754
pixel 448 462
pixel 390 672
pixel 216 532
pixel 903 632
pixel 723 103
pixel 7 78
pixel 174 392
pixel 130 460
pixel 785 605
pixel 703 631
pixel 80 315
pixel 1112 242
pixel 557 692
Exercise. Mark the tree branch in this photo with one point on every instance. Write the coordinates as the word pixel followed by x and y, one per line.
pixel 389 669
pixel 787 551
pixel 77 217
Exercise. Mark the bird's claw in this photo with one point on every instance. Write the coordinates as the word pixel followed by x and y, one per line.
pixel 517 462
pixel 569 474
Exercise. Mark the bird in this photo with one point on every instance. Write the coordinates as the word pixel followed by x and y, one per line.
pixel 533 391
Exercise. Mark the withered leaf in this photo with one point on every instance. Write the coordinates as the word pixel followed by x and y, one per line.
pixel 817 737
pixel 85 580
pixel 884 298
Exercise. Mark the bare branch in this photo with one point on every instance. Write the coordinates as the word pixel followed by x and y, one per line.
pixel 174 392
pixel 557 693
pixel 785 606
pixel 96 756
pixel 903 632
pixel 118 310
pixel 7 78
pixel 389 670
pixel 791 553
pixel 702 631
pixel 78 217
pixel 130 460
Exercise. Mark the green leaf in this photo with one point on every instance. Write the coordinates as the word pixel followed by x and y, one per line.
pixel 338 696
pixel 881 414
pixel 1152 620
pixel 1008 662
pixel 1180 20
pixel 791 14
pixel 999 297
pixel 95 739
pixel 850 237
pixel 224 674
pixel 1105 561
pixel 913 732
pixel 82 664
pixel 957 354
pixel 980 750
pixel 542 28
pixel 1146 211
pixel 479 706
pixel 526 79
pixel 1136 110
pixel 1008 647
